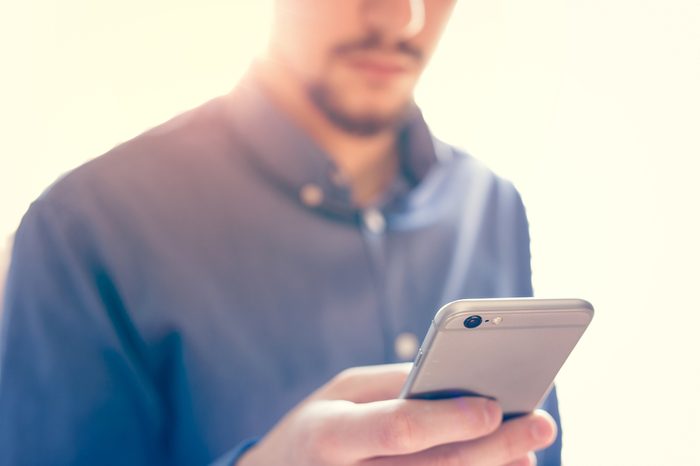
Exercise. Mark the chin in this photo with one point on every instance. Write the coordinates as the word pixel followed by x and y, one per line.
pixel 383 105
pixel 359 109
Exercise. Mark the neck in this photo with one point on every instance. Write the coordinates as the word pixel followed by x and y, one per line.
pixel 368 164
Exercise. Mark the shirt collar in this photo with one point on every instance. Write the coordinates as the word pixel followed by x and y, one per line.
pixel 285 153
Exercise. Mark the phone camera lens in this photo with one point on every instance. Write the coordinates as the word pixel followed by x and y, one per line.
pixel 472 321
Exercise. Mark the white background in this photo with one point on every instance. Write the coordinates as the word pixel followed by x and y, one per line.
pixel 591 107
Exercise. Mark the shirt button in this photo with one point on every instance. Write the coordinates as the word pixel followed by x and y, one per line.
pixel 311 195
pixel 374 221
pixel 406 346
pixel 339 179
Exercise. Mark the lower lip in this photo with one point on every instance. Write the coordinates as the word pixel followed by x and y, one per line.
pixel 378 71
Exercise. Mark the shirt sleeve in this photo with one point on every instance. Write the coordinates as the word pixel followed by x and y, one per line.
pixel 231 458
pixel 74 387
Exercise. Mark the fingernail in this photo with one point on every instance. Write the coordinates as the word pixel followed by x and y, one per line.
pixel 533 458
pixel 541 430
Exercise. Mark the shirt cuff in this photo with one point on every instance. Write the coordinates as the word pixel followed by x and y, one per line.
pixel 232 457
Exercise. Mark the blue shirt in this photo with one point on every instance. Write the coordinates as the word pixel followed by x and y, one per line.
pixel 179 294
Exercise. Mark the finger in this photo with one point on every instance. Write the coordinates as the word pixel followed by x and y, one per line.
pixel 400 427
pixel 529 460
pixel 366 384
pixel 514 440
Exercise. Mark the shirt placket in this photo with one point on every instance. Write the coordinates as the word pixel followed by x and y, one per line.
pixel 372 224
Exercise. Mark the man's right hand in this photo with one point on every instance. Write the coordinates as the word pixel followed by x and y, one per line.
pixel 355 419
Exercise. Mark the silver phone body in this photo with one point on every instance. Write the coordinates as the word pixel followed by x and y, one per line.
pixel 513 356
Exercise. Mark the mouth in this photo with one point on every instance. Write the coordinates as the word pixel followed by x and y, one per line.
pixel 380 68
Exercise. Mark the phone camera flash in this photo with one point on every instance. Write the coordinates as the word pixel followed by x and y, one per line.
pixel 497 320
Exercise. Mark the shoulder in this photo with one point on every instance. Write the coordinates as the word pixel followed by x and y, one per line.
pixel 476 179
pixel 143 180
pixel 154 160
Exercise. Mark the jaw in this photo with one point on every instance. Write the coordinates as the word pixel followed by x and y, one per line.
pixel 356 96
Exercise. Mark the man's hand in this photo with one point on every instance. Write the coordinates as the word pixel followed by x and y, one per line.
pixel 355 420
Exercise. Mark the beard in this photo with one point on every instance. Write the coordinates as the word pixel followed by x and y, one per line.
pixel 327 101
pixel 328 98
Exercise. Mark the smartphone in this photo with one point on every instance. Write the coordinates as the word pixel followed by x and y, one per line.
pixel 509 350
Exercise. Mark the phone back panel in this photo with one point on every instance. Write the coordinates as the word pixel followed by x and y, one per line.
pixel 513 356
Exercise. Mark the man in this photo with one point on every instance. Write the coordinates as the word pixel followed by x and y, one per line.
pixel 180 299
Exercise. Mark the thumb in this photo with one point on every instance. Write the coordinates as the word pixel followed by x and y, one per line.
pixel 365 384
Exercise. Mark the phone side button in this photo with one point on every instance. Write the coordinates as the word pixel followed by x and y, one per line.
pixel 419 358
